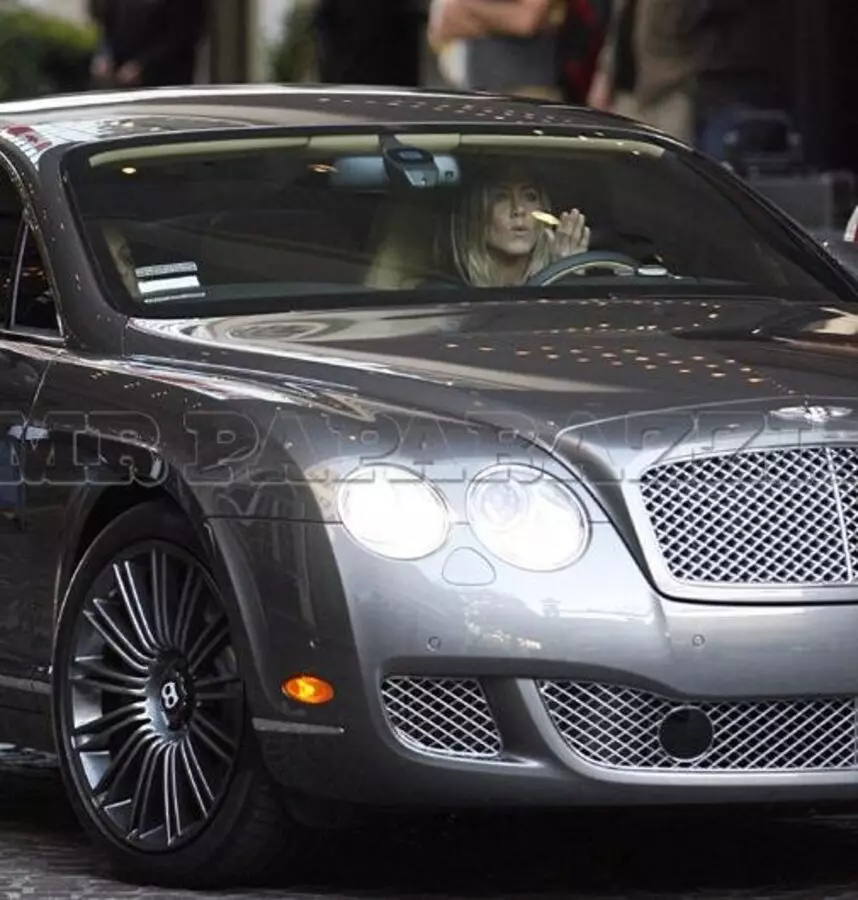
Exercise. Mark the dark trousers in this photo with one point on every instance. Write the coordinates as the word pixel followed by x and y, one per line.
pixel 371 43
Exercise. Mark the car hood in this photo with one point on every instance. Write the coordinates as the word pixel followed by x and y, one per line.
pixel 556 362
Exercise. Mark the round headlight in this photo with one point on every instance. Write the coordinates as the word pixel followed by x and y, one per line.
pixel 527 518
pixel 393 511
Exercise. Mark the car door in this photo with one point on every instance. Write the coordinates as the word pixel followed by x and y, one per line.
pixel 30 338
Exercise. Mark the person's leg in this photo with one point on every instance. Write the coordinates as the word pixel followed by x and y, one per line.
pixel 537 92
pixel 673 114
pixel 626 105
pixel 373 43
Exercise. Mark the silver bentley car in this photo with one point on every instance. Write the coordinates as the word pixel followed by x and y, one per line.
pixel 374 448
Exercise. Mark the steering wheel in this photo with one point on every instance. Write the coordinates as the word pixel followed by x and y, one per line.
pixel 580 263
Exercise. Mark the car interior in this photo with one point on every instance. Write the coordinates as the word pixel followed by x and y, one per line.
pixel 351 213
pixel 332 215
pixel 26 296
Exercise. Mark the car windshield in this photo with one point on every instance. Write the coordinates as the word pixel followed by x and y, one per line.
pixel 213 225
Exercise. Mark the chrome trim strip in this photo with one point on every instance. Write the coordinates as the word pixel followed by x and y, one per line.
pixel 841 514
pixel 275 725
pixel 25 684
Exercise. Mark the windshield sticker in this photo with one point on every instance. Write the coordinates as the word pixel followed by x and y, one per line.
pixel 170 298
pixel 163 285
pixel 167 278
pixel 183 268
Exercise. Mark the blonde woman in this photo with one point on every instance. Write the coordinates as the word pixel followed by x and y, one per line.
pixel 503 232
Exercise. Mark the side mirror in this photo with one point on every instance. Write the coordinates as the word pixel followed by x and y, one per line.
pixel 850 235
pixel 846 253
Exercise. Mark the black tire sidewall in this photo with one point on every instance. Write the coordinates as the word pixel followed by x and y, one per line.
pixel 150 521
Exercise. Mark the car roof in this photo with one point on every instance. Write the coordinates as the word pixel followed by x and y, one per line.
pixel 34 126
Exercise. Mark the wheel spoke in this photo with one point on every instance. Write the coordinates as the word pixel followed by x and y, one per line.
pixel 160 599
pixel 187 605
pixel 215 696
pixel 172 815
pixel 210 681
pixel 211 640
pixel 98 676
pixel 118 768
pixel 213 737
pixel 126 582
pixel 108 687
pixel 113 635
pixel 197 780
pixel 101 729
pixel 207 688
pixel 143 789
pixel 94 667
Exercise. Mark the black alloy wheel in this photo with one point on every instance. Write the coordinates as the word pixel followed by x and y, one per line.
pixel 150 713
pixel 155 702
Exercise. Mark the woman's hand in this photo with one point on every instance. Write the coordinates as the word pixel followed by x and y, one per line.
pixel 451 20
pixel 600 96
pixel 101 69
pixel 130 74
pixel 571 236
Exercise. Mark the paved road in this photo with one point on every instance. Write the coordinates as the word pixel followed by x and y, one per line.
pixel 737 856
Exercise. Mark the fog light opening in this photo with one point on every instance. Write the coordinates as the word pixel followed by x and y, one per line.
pixel 308 689
pixel 686 734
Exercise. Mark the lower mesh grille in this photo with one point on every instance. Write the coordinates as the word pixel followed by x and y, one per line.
pixel 621 728
pixel 441 716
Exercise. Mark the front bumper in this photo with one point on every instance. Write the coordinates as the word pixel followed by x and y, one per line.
pixel 461 682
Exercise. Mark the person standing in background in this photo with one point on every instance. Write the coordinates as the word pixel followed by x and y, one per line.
pixel 370 42
pixel 504 46
pixel 694 68
pixel 745 62
pixel 580 42
pixel 537 48
pixel 147 43
pixel 647 67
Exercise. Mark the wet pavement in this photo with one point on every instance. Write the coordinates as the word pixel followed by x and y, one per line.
pixel 618 854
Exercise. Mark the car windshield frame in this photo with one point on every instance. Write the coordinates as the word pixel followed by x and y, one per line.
pixel 780 233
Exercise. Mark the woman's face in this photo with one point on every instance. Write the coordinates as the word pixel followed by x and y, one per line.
pixel 512 230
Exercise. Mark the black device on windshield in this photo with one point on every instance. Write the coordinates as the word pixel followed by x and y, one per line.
pixel 409 166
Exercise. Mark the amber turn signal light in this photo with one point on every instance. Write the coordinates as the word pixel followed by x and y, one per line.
pixel 308 689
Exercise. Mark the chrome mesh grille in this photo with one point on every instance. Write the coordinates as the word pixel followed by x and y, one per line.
pixel 770 517
pixel 442 716
pixel 618 727
pixel 845 462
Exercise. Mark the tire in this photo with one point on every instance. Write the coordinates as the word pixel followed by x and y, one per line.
pixel 148 704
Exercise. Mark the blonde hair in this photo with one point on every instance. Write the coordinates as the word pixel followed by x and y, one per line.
pixel 469 224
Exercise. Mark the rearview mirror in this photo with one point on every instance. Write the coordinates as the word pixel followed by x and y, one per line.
pixel 374 172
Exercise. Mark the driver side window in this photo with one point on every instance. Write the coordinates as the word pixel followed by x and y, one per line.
pixel 26 298
pixel 34 305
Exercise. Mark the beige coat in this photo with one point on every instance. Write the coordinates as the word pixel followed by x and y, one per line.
pixel 665 64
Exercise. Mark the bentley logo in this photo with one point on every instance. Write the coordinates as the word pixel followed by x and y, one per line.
pixel 170 696
pixel 813 415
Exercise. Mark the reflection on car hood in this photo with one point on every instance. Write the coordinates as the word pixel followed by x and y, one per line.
pixel 556 361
